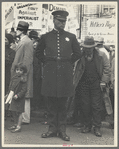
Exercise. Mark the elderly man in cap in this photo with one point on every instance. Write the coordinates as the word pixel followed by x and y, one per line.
pixel 24 54
pixel 58 50
pixel 92 74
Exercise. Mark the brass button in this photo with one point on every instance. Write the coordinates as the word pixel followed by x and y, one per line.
pixel 58 58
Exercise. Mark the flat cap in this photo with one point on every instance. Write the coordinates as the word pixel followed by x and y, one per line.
pixel 100 40
pixel 33 34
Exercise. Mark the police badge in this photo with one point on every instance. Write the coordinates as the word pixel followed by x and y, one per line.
pixel 67 39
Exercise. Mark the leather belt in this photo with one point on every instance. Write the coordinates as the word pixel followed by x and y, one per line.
pixel 47 58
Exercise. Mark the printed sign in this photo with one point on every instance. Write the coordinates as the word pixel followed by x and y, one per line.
pixel 9 17
pixel 105 28
pixel 29 12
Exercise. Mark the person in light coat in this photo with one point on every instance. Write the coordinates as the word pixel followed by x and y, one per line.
pixel 24 54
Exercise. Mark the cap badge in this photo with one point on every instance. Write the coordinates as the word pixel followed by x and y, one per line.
pixel 67 39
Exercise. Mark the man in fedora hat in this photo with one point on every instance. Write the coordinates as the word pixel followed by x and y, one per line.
pixel 100 45
pixel 24 54
pixel 91 76
pixel 58 50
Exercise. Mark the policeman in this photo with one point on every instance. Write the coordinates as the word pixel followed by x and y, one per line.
pixel 58 50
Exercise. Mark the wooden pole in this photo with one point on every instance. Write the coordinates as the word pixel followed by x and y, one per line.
pixel 80 21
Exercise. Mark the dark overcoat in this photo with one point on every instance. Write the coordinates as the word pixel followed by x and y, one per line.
pixel 9 58
pixel 102 67
pixel 58 51
pixel 19 86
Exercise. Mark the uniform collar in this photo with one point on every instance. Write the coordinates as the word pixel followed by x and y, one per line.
pixel 56 31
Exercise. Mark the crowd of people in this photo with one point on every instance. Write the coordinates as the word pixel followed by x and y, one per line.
pixel 61 69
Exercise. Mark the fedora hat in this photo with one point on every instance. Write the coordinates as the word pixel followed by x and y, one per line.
pixel 100 40
pixel 60 14
pixel 33 34
pixel 22 25
pixel 89 42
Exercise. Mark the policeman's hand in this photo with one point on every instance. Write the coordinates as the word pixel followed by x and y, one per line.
pixel 15 97
pixel 102 86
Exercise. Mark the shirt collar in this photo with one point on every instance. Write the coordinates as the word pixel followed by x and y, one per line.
pixel 23 37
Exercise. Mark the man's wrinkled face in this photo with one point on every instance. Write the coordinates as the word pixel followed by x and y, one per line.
pixel 59 24
pixel 88 51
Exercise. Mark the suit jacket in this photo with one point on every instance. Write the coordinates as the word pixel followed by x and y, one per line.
pixel 24 54
pixel 102 66
pixel 57 79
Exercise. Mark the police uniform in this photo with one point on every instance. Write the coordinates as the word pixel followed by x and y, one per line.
pixel 58 50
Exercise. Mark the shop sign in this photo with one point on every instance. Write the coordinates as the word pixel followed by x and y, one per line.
pixel 29 12
pixel 105 28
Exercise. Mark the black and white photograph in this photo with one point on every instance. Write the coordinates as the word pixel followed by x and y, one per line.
pixel 59 74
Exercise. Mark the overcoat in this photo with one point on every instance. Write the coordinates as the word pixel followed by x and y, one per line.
pixel 19 86
pixel 24 54
pixel 58 51
pixel 102 66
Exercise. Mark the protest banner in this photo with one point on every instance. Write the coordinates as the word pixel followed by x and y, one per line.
pixel 105 28
pixel 29 12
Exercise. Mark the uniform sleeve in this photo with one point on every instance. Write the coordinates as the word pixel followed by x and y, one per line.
pixel 23 90
pixel 40 49
pixel 76 50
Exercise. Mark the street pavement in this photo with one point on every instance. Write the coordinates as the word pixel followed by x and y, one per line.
pixel 31 136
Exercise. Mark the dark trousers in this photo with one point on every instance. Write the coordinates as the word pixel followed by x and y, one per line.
pixel 91 102
pixel 78 114
pixel 57 114
pixel 15 116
